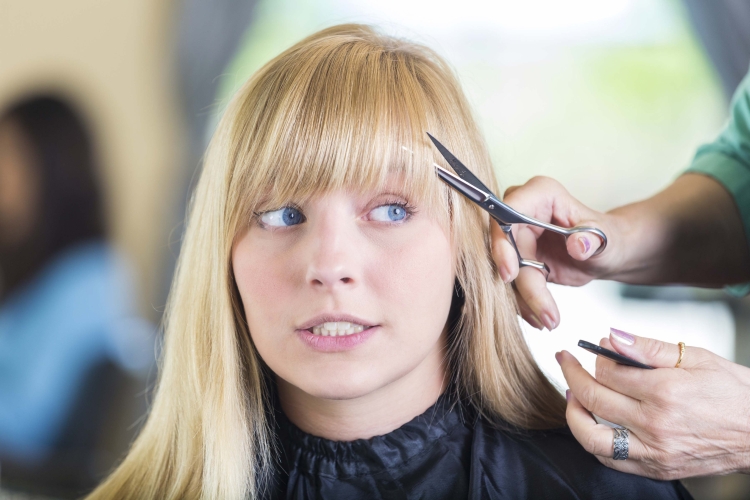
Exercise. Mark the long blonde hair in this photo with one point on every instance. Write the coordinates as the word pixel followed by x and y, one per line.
pixel 344 107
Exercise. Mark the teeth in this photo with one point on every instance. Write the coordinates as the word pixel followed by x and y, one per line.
pixel 337 329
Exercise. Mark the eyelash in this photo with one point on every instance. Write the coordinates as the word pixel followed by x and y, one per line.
pixel 256 217
pixel 405 206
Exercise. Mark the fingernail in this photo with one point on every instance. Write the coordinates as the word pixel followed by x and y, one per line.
pixel 558 357
pixel 535 322
pixel 548 321
pixel 585 244
pixel 567 394
pixel 621 337
pixel 504 274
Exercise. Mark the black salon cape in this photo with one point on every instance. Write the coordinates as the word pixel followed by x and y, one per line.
pixel 446 453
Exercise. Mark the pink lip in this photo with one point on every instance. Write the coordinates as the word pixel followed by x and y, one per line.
pixel 322 343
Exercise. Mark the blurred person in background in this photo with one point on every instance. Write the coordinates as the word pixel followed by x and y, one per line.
pixel 68 325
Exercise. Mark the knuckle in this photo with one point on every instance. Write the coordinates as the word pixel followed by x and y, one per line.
pixel 536 180
pixel 656 428
pixel 660 430
pixel 641 415
pixel 510 191
pixel 546 184
pixel 593 445
pixel 497 244
pixel 589 397
pixel 535 295
pixel 699 355
pixel 670 393
pixel 602 372
pixel 656 349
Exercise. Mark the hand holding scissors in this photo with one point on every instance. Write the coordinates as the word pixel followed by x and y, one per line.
pixel 472 188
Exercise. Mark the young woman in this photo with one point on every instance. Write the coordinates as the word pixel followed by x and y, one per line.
pixel 336 327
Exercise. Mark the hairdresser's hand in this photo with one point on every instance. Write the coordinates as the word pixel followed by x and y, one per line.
pixel 687 421
pixel 571 261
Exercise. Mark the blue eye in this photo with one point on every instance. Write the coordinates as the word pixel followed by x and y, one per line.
pixel 389 213
pixel 283 217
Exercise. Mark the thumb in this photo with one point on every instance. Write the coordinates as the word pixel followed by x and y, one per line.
pixel 649 351
pixel 583 245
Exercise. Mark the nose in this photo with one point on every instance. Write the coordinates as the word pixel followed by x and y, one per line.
pixel 333 261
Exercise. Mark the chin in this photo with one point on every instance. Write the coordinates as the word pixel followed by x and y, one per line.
pixel 340 387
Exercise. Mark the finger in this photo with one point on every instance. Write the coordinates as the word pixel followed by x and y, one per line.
pixel 509 191
pixel 531 284
pixel 536 197
pixel 597 439
pixel 651 351
pixel 635 382
pixel 595 397
pixel 582 246
pixel 532 287
pixel 527 314
pixel 503 253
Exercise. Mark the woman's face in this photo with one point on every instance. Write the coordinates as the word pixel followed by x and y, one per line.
pixel 19 186
pixel 347 293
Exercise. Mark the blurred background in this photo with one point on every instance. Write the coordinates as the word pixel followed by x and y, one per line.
pixel 106 109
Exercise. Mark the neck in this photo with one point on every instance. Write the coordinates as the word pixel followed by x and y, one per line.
pixel 374 414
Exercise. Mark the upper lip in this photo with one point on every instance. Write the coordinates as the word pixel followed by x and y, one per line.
pixel 329 318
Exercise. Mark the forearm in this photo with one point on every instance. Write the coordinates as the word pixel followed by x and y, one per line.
pixel 690 233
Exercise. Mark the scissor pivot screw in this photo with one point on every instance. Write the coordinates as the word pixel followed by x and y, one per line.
pixel 491 207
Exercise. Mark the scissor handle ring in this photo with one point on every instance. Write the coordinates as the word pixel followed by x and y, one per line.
pixel 541 266
pixel 592 230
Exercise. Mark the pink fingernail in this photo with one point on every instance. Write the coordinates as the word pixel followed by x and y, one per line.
pixel 586 245
pixel 621 337
pixel 558 357
pixel 567 394
pixel 548 321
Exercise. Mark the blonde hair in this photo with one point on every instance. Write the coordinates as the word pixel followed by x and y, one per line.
pixel 344 107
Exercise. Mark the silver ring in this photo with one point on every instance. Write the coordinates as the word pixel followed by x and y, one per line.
pixel 621 443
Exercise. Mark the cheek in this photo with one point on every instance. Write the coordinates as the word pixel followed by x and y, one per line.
pixel 266 282
pixel 415 280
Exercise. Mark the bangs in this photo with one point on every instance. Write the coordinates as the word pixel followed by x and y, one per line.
pixel 338 114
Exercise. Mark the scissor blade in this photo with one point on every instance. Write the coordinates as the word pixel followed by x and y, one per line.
pixel 463 172
pixel 476 195
pixel 487 201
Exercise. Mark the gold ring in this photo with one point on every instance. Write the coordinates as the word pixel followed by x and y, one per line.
pixel 681 345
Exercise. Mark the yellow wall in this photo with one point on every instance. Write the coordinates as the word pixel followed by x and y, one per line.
pixel 114 60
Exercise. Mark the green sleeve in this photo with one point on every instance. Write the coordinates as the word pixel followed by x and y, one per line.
pixel 727 160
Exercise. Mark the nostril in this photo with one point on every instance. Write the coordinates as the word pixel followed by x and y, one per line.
pixel 346 280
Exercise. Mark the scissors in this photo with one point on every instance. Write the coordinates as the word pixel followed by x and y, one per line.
pixel 468 185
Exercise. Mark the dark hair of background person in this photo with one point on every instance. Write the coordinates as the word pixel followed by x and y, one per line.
pixel 71 206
